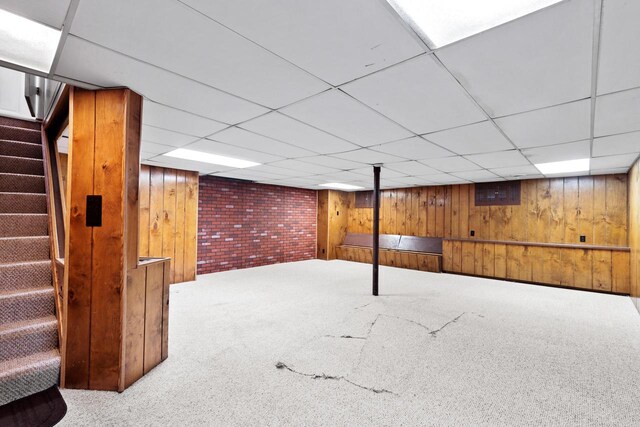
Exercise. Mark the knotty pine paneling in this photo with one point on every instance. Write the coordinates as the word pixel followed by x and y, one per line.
pixel 557 210
pixel 333 218
pixel 634 233
pixel 597 269
pixel 168 218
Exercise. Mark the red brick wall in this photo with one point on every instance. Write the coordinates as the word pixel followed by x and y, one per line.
pixel 242 224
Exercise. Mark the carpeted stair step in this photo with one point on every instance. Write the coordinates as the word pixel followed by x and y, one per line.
pixel 17 183
pixel 27 375
pixel 20 123
pixel 16 225
pixel 20 149
pixel 23 203
pixel 21 165
pixel 30 248
pixel 21 275
pixel 24 304
pixel 16 133
pixel 19 339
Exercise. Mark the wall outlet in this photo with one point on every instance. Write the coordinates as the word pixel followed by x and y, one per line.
pixel 472 233
pixel 583 239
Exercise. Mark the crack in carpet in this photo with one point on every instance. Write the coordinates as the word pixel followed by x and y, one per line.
pixel 280 365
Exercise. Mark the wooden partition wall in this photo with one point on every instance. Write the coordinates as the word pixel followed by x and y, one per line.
pixel 169 218
pixel 333 210
pixel 536 241
pixel 634 232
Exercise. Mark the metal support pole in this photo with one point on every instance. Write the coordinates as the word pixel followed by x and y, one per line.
pixel 376 226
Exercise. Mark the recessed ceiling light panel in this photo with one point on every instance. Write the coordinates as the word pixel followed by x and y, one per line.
pixel 441 22
pixel 341 186
pixel 567 166
pixel 214 159
pixel 27 43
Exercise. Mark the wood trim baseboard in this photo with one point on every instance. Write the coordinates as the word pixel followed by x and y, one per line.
pixel 544 245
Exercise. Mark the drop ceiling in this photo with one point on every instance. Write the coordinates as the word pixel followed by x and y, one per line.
pixel 317 91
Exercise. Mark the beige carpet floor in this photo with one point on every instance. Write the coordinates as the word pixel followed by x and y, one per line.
pixel 305 344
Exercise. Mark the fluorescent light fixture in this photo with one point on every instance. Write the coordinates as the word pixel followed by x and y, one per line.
pixel 341 186
pixel 215 159
pixel 27 43
pixel 566 166
pixel 441 22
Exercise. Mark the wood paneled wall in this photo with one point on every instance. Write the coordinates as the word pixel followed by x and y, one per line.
pixel 169 218
pixel 104 160
pixel 634 232
pixel 599 269
pixel 333 219
pixel 552 211
pixel 146 318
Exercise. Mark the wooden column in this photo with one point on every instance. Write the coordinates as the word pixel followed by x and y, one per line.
pixel 104 159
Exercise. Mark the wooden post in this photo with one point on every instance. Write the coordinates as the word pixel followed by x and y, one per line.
pixel 376 226
pixel 101 242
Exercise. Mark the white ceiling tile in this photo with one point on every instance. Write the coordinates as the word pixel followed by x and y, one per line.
pixel 253 141
pixel 471 139
pixel 165 137
pixel 343 116
pixel 414 148
pixel 248 174
pixel 332 162
pixel 610 162
pixel 612 171
pixel 295 182
pixel 361 33
pixel 303 167
pixel 617 113
pixel 283 172
pixel 151 147
pixel 450 164
pixel 170 162
pixel 411 168
pixel 51 13
pixel 215 147
pixel 444 178
pixel 499 159
pixel 547 126
pixel 413 180
pixel 161 116
pixel 283 128
pixel 419 94
pixel 619 66
pixel 175 37
pixel 616 144
pixel 385 172
pixel 145 155
pixel 86 62
pixel 536 61
pixel 365 155
pixel 557 153
pixel 518 172
pixel 340 176
pixel 478 176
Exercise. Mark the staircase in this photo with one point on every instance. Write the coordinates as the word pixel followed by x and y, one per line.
pixel 29 356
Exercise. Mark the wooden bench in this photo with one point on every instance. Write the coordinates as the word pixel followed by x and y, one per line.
pixel 417 253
